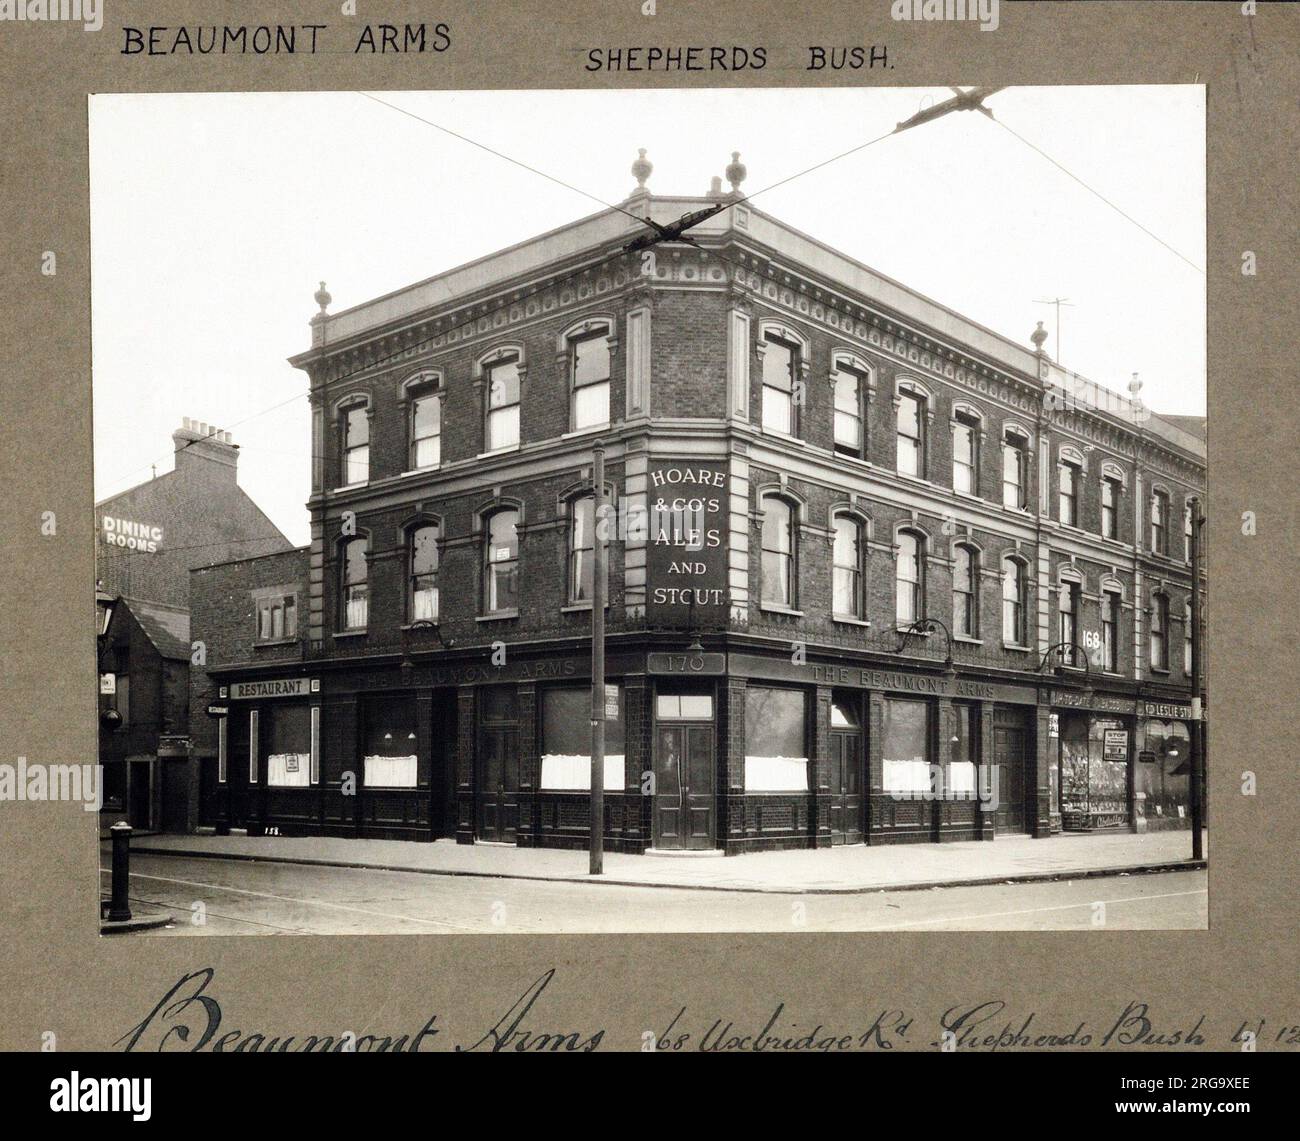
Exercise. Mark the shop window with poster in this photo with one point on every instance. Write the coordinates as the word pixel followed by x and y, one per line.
pixel 1093 777
pixel 1163 776
pixel 288 745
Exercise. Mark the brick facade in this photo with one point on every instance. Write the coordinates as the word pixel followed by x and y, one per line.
pixel 685 382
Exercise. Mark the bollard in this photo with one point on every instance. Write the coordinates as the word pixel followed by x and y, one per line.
pixel 119 910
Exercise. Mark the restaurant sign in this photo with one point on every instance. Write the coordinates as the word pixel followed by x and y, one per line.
pixel 279 687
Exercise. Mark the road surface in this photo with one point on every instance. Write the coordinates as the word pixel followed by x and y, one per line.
pixel 240 898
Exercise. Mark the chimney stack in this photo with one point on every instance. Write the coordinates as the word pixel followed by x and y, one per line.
pixel 204 449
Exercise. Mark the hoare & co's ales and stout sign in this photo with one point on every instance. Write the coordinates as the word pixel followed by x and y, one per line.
pixel 686 557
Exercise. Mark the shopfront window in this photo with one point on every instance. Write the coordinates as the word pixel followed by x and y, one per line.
pixel 905 747
pixel 390 743
pixel 566 742
pixel 965 753
pixel 1163 773
pixel 1093 772
pixel 776 740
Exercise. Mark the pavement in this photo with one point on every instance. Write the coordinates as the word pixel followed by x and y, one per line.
pixel 851 869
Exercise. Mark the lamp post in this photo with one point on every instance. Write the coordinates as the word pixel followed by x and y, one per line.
pixel 597 839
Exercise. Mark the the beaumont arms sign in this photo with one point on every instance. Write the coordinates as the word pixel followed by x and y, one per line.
pixel 686 562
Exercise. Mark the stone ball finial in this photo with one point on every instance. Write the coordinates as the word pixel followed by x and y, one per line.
pixel 322 297
pixel 642 168
pixel 735 172
pixel 1038 336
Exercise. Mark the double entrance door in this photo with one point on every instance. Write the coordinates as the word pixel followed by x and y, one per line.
pixel 684 786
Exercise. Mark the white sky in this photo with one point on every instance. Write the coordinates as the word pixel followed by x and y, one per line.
pixel 214 216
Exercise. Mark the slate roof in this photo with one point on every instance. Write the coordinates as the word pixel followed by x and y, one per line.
pixel 167 627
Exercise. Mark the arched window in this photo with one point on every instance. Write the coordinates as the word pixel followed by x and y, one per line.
pixel 1110 630
pixel 354 592
pixel 1070 474
pixel 778 551
pixel 1015 463
pixel 965 591
pixel 1013 603
pixel 1111 491
pixel 850 432
pixel 780 371
pixel 846 562
pixel 1187 531
pixel 1160 632
pixel 422 557
pixel 354 423
pixel 965 452
pixel 425 426
pixel 1160 521
pixel 1068 631
pixel 582 549
pixel 502 378
pixel 501 562
pixel 911 433
pixel 589 378
pixel 910 594
pixel 1187 637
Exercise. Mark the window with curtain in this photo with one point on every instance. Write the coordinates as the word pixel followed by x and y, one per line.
pixel 911 420
pixel 356 445
pixel 289 743
pixel 566 742
pixel 905 747
pixel 1013 603
pixel 846 558
pixel 502 403
pixel 909 595
pixel 390 743
pixel 355 585
pixel 850 439
pixel 965 592
pixel 501 562
pixel 965 454
pixel 778 551
pixel 589 373
pixel 582 549
pixel 776 743
pixel 426 429
pixel 780 363
pixel 423 561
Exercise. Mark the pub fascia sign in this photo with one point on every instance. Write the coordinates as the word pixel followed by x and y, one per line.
pixel 132 535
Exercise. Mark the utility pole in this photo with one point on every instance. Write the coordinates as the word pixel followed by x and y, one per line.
pixel 598 662
pixel 1198 734
pixel 1057 302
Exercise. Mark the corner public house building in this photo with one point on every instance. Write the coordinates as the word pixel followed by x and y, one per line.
pixel 866 558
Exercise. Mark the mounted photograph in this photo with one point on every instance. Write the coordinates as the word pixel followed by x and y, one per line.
pixel 651 511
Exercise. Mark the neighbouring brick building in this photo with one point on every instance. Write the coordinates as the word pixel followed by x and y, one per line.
pixel 147 540
pixel 877 573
